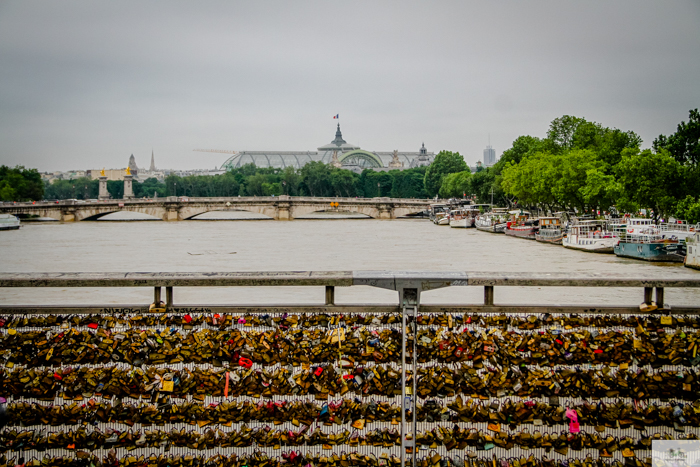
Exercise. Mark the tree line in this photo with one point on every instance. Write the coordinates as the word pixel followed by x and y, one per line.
pixel 585 167
pixel 313 179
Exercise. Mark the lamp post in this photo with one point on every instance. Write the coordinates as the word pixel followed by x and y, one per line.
pixel 175 188
pixel 379 189
pixel 284 186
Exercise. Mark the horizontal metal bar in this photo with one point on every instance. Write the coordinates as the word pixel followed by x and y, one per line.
pixel 342 309
pixel 167 279
pixel 239 309
pixel 383 279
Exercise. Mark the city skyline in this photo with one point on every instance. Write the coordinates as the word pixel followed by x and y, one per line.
pixel 85 83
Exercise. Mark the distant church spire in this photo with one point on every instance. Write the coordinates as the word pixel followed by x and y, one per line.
pixel 153 163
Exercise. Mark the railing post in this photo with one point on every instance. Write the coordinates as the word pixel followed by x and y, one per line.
pixel 647 295
pixel 156 295
pixel 409 298
pixel 330 295
pixel 660 297
pixel 168 297
pixel 488 295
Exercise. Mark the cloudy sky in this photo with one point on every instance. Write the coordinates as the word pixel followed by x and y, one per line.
pixel 84 84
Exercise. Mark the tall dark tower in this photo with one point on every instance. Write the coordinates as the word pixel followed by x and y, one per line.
pixel 153 163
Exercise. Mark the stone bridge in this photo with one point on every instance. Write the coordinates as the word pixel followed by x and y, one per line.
pixel 183 208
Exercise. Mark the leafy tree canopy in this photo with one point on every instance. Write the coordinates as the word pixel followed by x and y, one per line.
pixel 446 162
pixel 684 144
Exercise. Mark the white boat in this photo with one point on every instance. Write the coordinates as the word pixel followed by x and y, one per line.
pixel 9 222
pixel 590 236
pixel 460 219
pixel 494 221
pixel 437 212
pixel 677 231
pixel 692 256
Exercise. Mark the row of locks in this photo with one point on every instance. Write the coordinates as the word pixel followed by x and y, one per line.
pixel 207 389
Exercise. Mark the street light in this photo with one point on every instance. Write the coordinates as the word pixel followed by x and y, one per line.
pixel 175 188
pixel 284 186
pixel 379 189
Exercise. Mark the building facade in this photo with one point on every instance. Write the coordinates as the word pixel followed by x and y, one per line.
pixel 489 156
pixel 349 156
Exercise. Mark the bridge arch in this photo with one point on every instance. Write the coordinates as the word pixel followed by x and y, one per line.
pixel 190 210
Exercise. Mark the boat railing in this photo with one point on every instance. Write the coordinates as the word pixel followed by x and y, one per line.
pixel 679 227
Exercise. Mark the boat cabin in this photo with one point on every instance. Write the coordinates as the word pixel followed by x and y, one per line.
pixel 550 223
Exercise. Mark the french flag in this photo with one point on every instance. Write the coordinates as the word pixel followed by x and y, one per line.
pixel 336 116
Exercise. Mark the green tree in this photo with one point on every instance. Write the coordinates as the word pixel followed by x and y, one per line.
pixel 316 179
pixel 649 180
pixel 456 185
pixel 684 144
pixel 20 184
pixel 688 209
pixel 408 183
pixel 446 162
pixel 521 147
pixel 562 130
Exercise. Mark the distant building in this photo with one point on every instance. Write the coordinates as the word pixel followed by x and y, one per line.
pixel 153 163
pixel 349 156
pixel 423 158
pixel 489 156
pixel 133 167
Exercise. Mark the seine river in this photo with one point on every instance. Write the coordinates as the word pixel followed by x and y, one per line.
pixel 313 245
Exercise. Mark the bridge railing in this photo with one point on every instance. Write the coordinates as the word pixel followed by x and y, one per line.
pixel 400 282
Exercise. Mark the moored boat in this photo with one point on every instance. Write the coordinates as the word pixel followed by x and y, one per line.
pixel 650 245
pixel 550 230
pixel 590 236
pixel 9 222
pixel 438 212
pixel 521 225
pixel 460 219
pixel 494 221
pixel 692 257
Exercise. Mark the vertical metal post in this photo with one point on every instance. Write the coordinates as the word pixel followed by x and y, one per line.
pixel 156 295
pixel 168 297
pixel 330 295
pixel 660 297
pixel 409 307
pixel 414 379
pixel 647 294
pixel 488 295
pixel 403 387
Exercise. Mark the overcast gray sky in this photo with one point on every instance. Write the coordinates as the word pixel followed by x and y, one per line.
pixel 84 84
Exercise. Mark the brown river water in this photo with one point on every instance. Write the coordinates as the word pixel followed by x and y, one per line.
pixel 311 245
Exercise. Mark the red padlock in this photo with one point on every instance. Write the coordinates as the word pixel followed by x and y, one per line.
pixel 187 318
pixel 318 371
pixel 93 325
pixel 245 362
